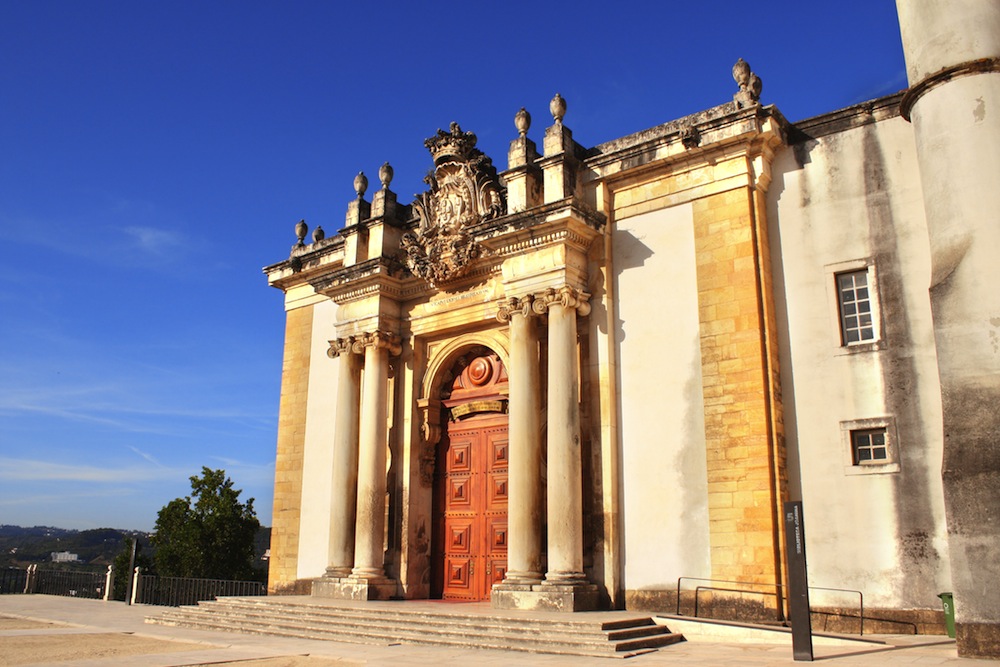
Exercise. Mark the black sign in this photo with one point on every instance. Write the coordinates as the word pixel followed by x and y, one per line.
pixel 798 582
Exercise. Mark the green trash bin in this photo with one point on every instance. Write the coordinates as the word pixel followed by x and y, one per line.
pixel 948 600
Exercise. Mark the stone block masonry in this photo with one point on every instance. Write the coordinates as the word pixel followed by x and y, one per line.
pixel 283 566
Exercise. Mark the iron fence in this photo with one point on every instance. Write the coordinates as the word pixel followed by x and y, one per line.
pixel 12 580
pixel 178 591
pixel 70 584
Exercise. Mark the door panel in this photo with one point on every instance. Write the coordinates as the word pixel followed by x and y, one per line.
pixel 473 511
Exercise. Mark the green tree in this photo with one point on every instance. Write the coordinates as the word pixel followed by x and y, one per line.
pixel 211 537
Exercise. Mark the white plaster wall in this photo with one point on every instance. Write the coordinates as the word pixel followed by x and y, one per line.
pixel 662 422
pixel 845 197
pixel 317 463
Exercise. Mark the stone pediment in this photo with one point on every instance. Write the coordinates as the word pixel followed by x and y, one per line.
pixel 464 191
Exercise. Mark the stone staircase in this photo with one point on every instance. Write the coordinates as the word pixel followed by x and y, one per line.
pixel 601 634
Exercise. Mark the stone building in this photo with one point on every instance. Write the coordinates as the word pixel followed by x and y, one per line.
pixel 592 379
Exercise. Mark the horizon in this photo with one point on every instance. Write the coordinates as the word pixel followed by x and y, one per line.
pixel 160 155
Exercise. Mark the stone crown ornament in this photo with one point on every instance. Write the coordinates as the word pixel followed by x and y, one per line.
pixel 464 190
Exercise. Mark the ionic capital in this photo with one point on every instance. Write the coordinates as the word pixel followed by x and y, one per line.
pixel 566 296
pixel 381 340
pixel 341 346
pixel 507 308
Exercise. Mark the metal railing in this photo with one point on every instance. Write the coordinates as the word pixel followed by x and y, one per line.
pixel 779 587
pixel 178 591
pixel 70 584
pixel 13 580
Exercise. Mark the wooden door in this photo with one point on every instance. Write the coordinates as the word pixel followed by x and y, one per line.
pixel 471 514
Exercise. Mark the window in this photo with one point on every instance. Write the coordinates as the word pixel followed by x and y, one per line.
pixel 854 296
pixel 869 447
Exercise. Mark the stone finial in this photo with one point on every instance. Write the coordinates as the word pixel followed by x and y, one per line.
pixel 360 184
pixel 301 229
pixel 522 121
pixel 385 174
pixel 557 107
pixel 318 234
pixel 749 83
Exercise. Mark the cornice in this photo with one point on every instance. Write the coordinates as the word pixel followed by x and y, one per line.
pixel 305 261
pixel 694 137
pixel 943 76
pixel 381 275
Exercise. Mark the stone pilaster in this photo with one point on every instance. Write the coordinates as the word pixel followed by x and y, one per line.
pixel 523 177
pixel 283 566
pixel 560 164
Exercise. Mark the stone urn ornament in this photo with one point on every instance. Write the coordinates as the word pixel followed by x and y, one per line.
pixel 522 121
pixel 557 107
pixel 360 184
pixel 385 174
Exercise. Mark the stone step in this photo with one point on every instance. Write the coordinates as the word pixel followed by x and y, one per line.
pixel 239 606
pixel 631 639
pixel 566 634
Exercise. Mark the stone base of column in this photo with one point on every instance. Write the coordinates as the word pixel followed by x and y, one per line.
pixel 355 588
pixel 978 640
pixel 545 597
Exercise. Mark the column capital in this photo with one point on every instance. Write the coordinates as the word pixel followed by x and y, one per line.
pixel 380 340
pixel 507 308
pixel 356 343
pixel 566 296
pixel 340 346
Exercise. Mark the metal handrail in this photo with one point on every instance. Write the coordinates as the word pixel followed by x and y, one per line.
pixel 861 597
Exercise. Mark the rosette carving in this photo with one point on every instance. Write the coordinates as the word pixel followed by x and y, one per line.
pixel 464 190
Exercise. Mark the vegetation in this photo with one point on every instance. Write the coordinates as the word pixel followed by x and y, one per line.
pixel 121 569
pixel 209 534
pixel 22 546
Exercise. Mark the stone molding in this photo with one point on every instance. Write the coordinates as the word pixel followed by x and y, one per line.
pixel 917 90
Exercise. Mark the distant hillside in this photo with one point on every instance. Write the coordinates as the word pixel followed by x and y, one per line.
pixel 20 547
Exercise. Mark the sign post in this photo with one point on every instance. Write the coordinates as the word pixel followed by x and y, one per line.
pixel 798 582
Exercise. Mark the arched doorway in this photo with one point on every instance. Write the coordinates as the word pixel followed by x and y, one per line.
pixel 469 547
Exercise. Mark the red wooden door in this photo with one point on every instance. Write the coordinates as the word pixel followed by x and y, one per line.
pixel 471 521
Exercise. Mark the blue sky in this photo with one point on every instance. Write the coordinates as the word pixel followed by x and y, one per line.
pixel 155 155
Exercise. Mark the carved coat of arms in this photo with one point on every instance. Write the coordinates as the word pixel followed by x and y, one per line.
pixel 464 190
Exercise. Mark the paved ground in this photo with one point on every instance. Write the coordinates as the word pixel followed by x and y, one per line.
pixel 48 630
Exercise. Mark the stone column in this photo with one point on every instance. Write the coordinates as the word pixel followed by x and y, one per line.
pixel 370 526
pixel 343 503
pixel 953 65
pixel 565 467
pixel 524 518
